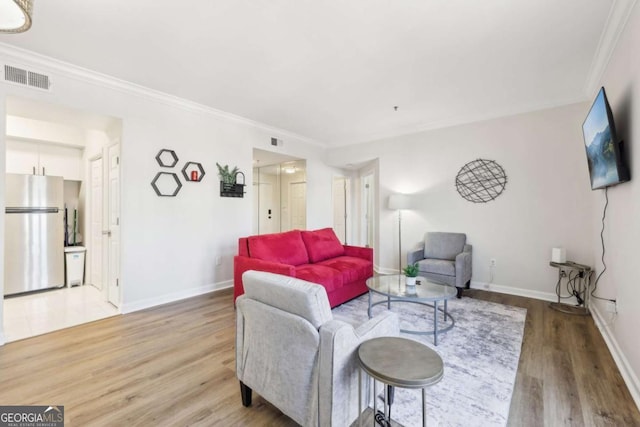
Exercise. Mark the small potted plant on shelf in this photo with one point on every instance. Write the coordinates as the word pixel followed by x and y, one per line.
pixel 411 272
pixel 228 177
pixel 229 186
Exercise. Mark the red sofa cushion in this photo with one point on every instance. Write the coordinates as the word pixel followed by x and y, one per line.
pixel 328 277
pixel 284 248
pixel 351 268
pixel 322 244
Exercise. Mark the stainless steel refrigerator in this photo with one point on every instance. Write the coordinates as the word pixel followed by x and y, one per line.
pixel 34 233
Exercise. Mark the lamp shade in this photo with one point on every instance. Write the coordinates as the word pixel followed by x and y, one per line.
pixel 399 201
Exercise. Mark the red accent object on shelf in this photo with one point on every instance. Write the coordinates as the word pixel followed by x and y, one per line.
pixel 194 175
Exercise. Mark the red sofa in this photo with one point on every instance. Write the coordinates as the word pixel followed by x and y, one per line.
pixel 316 256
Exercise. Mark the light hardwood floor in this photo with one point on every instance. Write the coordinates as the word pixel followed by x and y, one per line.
pixel 174 365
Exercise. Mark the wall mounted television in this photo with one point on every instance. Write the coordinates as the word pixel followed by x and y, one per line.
pixel 605 157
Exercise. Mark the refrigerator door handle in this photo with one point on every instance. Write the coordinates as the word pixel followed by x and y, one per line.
pixel 30 210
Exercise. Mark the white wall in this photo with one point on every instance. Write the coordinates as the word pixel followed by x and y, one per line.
pixel 622 228
pixel 169 245
pixel 546 203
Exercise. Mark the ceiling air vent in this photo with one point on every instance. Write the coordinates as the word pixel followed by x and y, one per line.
pixel 26 78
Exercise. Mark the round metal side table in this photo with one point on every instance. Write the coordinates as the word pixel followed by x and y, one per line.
pixel 398 362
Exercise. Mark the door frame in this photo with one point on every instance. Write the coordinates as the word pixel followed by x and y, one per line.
pixel 346 201
pixel 104 257
pixel 113 263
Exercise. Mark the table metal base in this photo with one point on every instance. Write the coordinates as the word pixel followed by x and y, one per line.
pixel 448 320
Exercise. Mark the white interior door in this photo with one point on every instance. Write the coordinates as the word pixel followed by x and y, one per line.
pixel 340 208
pixel 114 293
pixel 268 212
pixel 368 194
pixel 95 250
pixel 298 205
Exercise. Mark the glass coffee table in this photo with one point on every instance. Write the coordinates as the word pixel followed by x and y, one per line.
pixel 425 292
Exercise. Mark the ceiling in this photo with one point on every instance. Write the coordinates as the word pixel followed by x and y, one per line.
pixel 330 70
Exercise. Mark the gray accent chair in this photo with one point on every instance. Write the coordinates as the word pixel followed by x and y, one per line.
pixel 444 257
pixel 292 353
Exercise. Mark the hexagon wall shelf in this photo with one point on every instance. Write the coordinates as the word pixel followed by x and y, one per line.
pixel 166 184
pixel 167 158
pixel 190 168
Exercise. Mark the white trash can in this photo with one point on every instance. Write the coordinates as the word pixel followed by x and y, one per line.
pixel 74 265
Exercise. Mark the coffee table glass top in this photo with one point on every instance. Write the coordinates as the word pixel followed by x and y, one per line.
pixel 395 285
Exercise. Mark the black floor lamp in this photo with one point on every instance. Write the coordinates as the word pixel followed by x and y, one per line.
pixel 399 202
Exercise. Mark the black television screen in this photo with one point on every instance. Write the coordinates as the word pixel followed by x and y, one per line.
pixel 604 151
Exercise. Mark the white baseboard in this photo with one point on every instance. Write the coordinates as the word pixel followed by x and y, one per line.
pixel 174 296
pixel 381 270
pixel 630 378
pixel 2 340
pixel 544 296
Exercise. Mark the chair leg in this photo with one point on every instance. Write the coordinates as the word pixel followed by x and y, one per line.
pixel 459 292
pixel 245 392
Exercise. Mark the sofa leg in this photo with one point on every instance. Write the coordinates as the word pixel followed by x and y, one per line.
pixel 459 293
pixel 245 392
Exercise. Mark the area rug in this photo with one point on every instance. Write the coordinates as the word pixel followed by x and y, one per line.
pixel 480 355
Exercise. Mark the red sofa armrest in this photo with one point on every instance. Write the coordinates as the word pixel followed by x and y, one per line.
pixel 243 263
pixel 359 252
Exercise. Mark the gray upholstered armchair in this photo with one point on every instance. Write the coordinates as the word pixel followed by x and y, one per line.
pixel 444 257
pixel 291 351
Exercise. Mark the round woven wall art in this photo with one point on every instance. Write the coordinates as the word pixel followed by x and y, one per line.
pixel 481 181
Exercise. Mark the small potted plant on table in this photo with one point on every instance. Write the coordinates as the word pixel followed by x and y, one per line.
pixel 411 272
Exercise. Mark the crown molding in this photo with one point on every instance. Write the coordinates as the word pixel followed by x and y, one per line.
pixel 28 58
pixel 615 25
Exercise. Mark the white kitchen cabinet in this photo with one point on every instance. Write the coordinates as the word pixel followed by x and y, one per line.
pixel 44 159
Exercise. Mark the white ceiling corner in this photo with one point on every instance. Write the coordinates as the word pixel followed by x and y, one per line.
pixel 618 16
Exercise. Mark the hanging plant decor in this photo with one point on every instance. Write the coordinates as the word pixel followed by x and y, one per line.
pixel 229 187
pixel 481 181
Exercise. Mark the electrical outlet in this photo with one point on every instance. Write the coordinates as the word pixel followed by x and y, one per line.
pixel 218 260
pixel 492 262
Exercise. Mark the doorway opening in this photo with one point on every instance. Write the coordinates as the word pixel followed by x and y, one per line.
pixel 367 188
pixel 279 193
pixel 81 148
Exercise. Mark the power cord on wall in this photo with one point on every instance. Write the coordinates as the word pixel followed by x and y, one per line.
pixel 573 288
pixel 604 215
